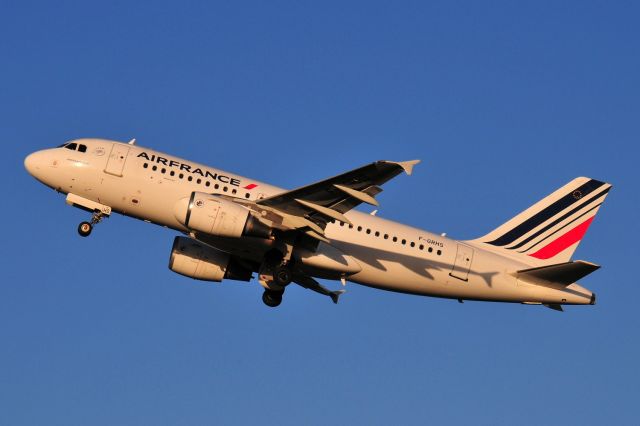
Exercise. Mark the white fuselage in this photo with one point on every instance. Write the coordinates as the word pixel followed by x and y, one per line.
pixel 146 184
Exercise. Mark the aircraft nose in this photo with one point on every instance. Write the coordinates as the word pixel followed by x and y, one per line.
pixel 36 164
pixel 31 163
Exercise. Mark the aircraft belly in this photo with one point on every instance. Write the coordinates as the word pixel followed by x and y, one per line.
pixel 394 276
pixel 430 278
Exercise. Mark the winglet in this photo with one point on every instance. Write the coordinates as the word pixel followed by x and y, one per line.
pixel 407 166
pixel 335 295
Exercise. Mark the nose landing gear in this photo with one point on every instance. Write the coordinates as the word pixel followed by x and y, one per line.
pixel 85 228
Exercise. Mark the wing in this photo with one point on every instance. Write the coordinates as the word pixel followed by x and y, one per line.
pixel 313 206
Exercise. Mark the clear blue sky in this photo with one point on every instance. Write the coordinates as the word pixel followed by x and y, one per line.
pixel 503 101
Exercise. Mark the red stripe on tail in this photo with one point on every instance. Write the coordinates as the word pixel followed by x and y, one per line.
pixel 561 243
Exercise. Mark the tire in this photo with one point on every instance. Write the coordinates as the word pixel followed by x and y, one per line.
pixel 282 276
pixel 84 229
pixel 272 298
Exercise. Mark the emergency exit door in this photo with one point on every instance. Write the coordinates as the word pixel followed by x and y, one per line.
pixel 117 158
pixel 462 263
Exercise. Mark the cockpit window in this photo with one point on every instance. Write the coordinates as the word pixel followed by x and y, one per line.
pixel 74 146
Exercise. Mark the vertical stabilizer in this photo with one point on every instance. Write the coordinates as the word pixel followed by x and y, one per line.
pixel 550 231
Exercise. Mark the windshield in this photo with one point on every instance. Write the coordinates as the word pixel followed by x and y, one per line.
pixel 73 146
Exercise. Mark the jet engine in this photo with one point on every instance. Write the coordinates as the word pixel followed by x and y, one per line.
pixel 201 262
pixel 218 216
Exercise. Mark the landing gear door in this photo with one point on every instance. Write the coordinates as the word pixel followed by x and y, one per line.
pixel 462 264
pixel 116 160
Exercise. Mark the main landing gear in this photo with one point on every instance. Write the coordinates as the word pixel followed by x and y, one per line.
pixel 282 276
pixel 275 276
pixel 276 273
pixel 274 289
pixel 85 228
pixel 272 298
pixel 274 281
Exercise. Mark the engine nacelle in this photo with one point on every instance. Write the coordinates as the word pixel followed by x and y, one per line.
pixel 201 262
pixel 218 216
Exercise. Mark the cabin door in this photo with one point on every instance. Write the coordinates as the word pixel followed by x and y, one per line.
pixel 116 160
pixel 462 263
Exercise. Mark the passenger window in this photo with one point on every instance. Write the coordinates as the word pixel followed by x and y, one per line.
pixel 430 249
pixel 199 181
pixel 72 146
pixel 413 244
pixel 359 228
pixel 207 183
pixel 395 239
pixel 247 195
pixel 377 233
pixel 82 148
pixel 190 178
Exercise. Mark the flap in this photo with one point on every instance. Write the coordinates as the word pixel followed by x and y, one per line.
pixel 331 198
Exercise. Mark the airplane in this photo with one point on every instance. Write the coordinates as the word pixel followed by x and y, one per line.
pixel 232 227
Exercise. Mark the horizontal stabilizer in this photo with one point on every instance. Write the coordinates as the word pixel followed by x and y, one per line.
pixel 562 273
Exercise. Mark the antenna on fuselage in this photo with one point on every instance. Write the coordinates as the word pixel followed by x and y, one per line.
pixel 132 141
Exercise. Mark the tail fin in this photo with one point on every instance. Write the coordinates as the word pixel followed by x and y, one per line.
pixel 549 231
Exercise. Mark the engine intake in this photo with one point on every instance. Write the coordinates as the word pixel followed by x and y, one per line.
pixel 218 216
pixel 201 262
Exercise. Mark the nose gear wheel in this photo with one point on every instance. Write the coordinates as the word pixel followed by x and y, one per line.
pixel 85 228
